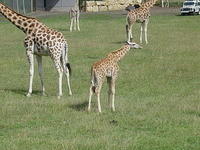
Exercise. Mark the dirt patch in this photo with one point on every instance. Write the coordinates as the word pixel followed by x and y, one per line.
pixel 165 11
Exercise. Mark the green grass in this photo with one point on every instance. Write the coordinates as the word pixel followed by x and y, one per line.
pixel 157 92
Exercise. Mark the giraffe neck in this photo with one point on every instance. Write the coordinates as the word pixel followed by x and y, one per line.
pixel 120 53
pixel 18 20
pixel 148 4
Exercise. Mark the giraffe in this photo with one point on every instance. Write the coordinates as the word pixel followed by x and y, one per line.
pixel 74 14
pixel 41 41
pixel 139 15
pixel 165 3
pixel 107 68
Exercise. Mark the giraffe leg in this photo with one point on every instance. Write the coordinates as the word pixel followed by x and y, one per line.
pixel 129 32
pixel 71 25
pixel 39 60
pixel 162 1
pixel 66 72
pixel 75 23
pixel 112 86
pixel 131 35
pixel 167 3
pixel 31 71
pixel 60 72
pixel 60 75
pixel 90 98
pixel 109 91
pixel 97 91
pixel 63 61
pixel 77 17
pixel 141 31
pixel 145 30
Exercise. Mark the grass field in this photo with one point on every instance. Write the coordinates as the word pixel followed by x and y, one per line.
pixel 157 92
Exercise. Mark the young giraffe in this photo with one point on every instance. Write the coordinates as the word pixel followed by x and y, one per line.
pixel 139 15
pixel 41 41
pixel 108 68
pixel 74 14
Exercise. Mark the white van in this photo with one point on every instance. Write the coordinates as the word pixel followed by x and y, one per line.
pixel 190 7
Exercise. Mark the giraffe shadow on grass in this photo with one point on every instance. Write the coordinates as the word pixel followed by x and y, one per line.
pixel 21 91
pixel 79 107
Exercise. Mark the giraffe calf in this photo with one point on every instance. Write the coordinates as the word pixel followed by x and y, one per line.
pixel 107 68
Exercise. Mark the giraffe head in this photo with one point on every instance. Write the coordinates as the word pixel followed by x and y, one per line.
pixel 133 45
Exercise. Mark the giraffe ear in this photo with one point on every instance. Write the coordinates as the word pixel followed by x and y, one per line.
pixel 134 45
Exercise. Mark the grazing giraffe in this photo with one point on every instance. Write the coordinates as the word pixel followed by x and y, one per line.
pixel 41 41
pixel 139 15
pixel 74 14
pixel 107 68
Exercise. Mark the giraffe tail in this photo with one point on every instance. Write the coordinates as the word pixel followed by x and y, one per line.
pixel 69 68
pixel 93 81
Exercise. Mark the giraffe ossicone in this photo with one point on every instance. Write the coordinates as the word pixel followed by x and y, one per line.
pixel 41 41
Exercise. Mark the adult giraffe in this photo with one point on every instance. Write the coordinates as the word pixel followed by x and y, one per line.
pixel 139 15
pixel 41 41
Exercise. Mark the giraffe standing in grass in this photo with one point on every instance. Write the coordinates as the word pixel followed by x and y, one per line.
pixel 74 14
pixel 107 68
pixel 165 3
pixel 41 41
pixel 139 15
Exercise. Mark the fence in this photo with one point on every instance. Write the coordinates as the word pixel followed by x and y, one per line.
pixel 20 6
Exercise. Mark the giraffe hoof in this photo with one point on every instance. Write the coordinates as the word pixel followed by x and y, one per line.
pixel 70 94
pixel 113 110
pixel 59 97
pixel 28 95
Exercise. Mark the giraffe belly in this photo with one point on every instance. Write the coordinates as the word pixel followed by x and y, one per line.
pixel 41 51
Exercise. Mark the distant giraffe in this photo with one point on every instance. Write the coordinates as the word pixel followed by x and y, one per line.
pixel 107 68
pixel 165 3
pixel 74 14
pixel 41 41
pixel 139 15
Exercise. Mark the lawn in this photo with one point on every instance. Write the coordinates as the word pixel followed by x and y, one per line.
pixel 157 92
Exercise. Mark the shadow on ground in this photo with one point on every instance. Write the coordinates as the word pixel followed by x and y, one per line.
pixel 80 107
pixel 20 91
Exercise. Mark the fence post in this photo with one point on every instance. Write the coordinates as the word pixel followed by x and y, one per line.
pixel 31 5
pixel 17 6
pixel 24 10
